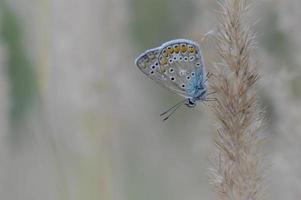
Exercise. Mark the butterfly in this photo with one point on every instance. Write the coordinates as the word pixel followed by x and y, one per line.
pixel 177 65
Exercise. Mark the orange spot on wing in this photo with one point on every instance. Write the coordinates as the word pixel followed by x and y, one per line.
pixel 176 48
pixel 183 48
pixel 165 53
pixel 191 49
pixel 170 50
pixel 163 60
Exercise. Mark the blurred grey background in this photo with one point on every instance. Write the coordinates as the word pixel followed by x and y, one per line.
pixel 79 121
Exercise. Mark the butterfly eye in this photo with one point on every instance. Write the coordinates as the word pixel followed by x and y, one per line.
pixel 191 58
pixel 170 60
pixel 156 63
pixel 192 74
pixel 152 72
pixel 180 58
pixel 198 64
pixel 188 77
pixel 183 86
pixel 171 70
pixel 172 78
pixel 153 67
pixel 186 59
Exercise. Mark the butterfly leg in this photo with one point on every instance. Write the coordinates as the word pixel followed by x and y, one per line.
pixel 206 102
pixel 210 99
pixel 208 75
pixel 210 93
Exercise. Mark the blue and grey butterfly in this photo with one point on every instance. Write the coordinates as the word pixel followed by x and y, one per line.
pixel 178 65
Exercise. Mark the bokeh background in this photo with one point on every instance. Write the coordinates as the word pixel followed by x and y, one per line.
pixel 79 121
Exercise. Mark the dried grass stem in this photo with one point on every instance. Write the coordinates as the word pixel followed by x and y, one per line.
pixel 237 170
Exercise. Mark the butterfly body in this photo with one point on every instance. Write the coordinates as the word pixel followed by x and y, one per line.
pixel 177 65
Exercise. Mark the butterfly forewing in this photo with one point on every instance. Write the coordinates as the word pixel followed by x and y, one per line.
pixel 174 64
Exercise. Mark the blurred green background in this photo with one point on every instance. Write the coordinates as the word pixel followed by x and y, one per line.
pixel 79 121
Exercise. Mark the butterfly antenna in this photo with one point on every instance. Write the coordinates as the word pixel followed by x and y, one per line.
pixel 172 109
pixel 166 118
pixel 182 101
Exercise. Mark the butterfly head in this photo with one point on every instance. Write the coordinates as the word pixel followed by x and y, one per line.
pixel 191 103
pixel 201 96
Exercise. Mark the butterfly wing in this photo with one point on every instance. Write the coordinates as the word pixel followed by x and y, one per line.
pixel 148 63
pixel 174 65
